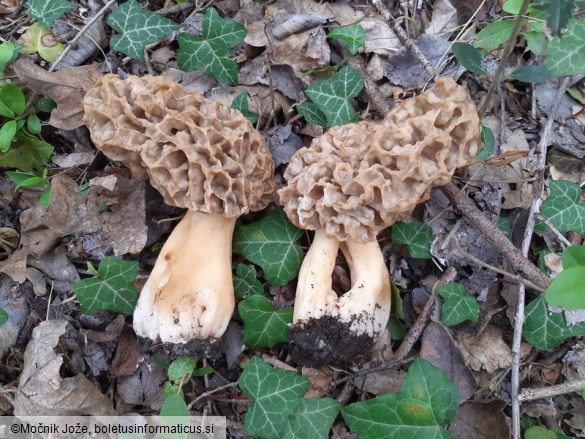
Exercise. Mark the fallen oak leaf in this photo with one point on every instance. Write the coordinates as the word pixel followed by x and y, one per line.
pixel 42 391
pixel 66 87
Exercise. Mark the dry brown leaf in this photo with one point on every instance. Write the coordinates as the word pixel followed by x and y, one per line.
pixel 515 176
pixel 66 87
pixel 37 280
pixel 480 420
pixel 127 355
pixel 59 269
pixel 13 300
pixel 438 348
pixel 122 227
pixel 262 100
pixel 43 392
pixel 487 351
pixel 15 266
pixel 144 386
pixel 8 6
pixel 443 20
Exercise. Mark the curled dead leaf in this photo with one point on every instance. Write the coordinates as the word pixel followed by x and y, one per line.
pixel 66 87
pixel 42 391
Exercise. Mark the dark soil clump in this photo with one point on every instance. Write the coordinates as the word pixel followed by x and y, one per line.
pixel 326 340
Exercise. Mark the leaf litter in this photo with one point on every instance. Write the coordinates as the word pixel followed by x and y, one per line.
pixel 288 53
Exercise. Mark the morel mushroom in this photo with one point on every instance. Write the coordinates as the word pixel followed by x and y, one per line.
pixel 352 182
pixel 201 156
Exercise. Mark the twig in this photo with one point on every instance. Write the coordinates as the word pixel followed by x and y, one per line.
pixel 211 392
pixel 534 209
pixel 174 9
pixel 404 38
pixel 418 327
pixel 479 221
pixel 81 33
pixel 505 54
pixel 511 276
pixel 381 368
pixel 547 392
pixel 551 226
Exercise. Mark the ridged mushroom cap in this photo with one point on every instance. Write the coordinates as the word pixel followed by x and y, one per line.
pixel 197 153
pixel 357 179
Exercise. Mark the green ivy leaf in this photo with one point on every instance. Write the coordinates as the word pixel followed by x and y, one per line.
pixel 538 432
pixel 354 36
pixel 47 11
pixel 488 141
pixel 505 225
pixel 240 103
pixel 546 330
pixel 312 419
pixel 427 400
pixel 138 28
pixel 531 74
pixel 270 243
pixel 174 406
pixel 457 306
pixel 212 51
pixel 573 256
pixel 566 53
pixel 3 316
pixel 331 96
pixel 417 235
pixel 263 325
pixel 567 289
pixel 13 98
pixel 469 57
pixel 245 282
pixel 494 34
pixel 274 394
pixel 7 134
pixel 181 366
pixel 563 209
pixel 28 153
pixel 111 290
pixel 558 13
pixel 312 114
pixel 536 41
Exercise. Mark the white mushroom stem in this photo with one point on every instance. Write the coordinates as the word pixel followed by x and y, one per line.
pixel 189 294
pixel 365 307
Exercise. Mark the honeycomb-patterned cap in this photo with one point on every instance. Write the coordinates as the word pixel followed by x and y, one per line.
pixel 197 153
pixel 359 178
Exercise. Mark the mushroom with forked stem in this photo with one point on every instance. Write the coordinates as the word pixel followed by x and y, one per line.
pixel 352 182
pixel 201 156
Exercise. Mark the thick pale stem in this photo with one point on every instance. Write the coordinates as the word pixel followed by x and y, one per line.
pixel 189 294
pixel 315 296
pixel 365 307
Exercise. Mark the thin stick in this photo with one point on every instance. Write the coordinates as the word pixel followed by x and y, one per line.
pixel 480 222
pixel 534 209
pixel 81 33
pixel 511 276
pixel 211 392
pixel 381 368
pixel 558 234
pixel 547 392
pixel 404 38
pixel 505 54
pixel 416 330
